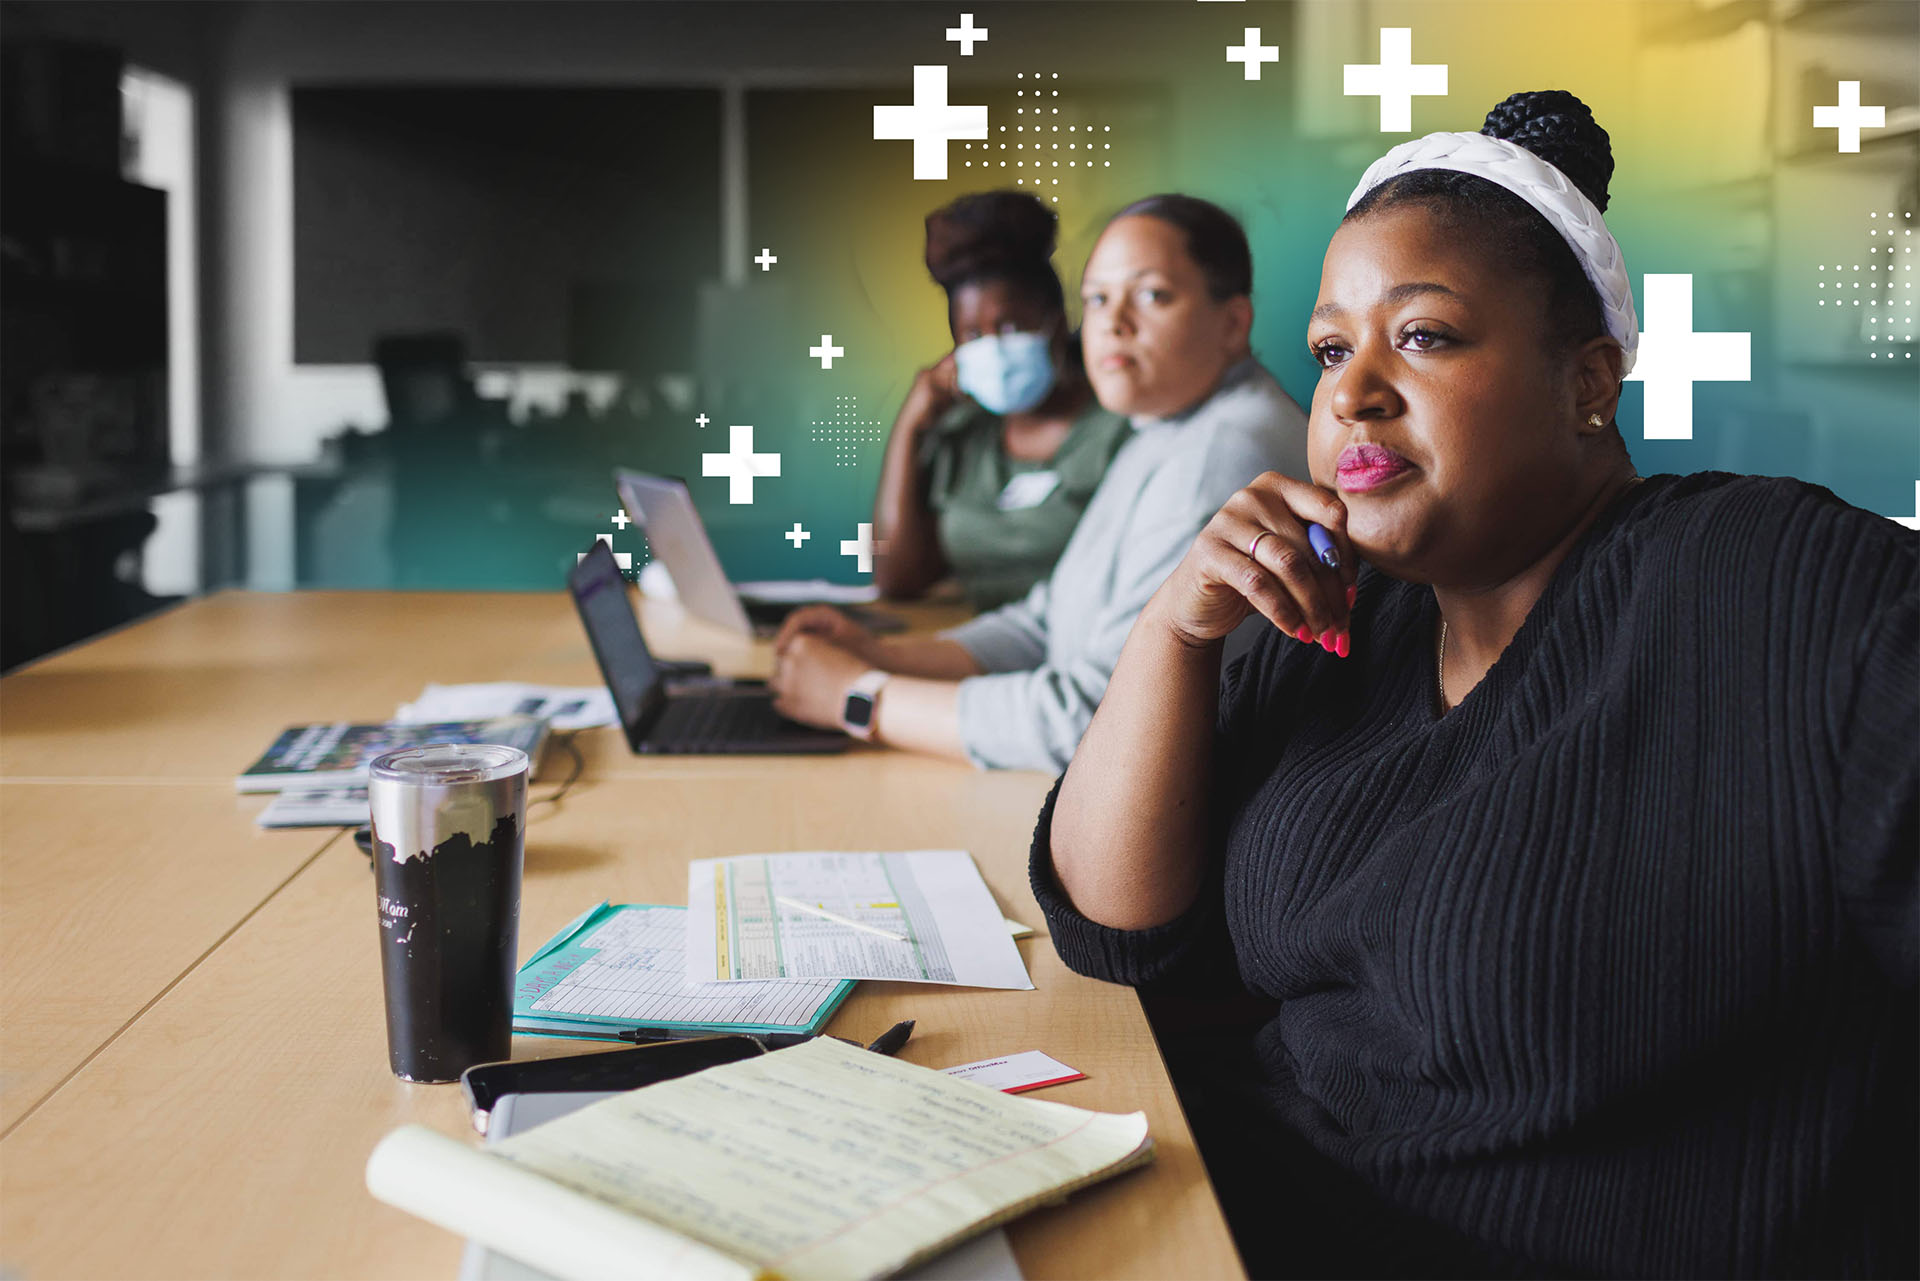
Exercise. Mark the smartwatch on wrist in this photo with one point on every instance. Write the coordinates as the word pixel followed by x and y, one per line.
pixel 860 713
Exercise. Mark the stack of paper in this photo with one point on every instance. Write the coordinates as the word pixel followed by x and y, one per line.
pixel 818 1161
pixel 771 945
pixel 921 916
pixel 806 591
pixel 317 807
pixel 617 968
pixel 565 707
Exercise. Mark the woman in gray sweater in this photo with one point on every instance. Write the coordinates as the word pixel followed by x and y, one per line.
pixel 1166 317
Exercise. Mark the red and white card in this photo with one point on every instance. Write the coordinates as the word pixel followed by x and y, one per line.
pixel 1017 1072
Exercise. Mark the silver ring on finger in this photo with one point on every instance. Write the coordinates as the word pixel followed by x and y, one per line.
pixel 1253 548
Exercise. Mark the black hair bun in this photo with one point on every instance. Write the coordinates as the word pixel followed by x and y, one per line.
pixel 1560 129
pixel 990 233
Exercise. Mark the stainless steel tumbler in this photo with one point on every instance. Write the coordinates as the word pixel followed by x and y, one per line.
pixel 449 823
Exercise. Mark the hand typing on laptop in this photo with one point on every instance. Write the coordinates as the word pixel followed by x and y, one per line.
pixel 813 675
pixel 829 671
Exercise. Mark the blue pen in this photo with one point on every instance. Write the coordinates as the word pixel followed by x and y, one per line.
pixel 1323 546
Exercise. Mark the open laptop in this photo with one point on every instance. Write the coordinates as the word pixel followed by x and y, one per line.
pixel 678 539
pixel 730 718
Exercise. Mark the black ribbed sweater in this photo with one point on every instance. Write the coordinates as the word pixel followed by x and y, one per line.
pixel 1609 970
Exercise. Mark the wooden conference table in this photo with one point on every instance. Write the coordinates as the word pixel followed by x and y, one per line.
pixel 192 1049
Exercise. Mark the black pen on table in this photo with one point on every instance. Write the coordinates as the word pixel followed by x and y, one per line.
pixel 888 1042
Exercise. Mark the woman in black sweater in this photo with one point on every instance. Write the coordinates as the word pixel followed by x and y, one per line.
pixel 1574 840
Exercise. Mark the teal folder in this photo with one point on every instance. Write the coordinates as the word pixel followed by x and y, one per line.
pixel 620 966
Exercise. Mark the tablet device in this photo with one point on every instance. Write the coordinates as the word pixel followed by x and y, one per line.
pixel 604 1073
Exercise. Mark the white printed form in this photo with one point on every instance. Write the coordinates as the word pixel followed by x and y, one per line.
pixel 637 974
pixel 945 925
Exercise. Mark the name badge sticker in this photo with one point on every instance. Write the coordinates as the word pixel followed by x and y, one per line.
pixel 1017 1073
pixel 1028 489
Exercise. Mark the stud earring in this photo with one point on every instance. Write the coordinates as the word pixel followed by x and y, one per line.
pixel 1595 420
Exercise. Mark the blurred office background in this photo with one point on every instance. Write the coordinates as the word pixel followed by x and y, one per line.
pixel 375 295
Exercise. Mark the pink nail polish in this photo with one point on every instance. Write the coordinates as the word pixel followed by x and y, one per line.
pixel 1304 635
pixel 1351 593
pixel 1326 640
pixel 1342 645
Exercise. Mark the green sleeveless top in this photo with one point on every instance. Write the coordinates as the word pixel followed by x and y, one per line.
pixel 1002 522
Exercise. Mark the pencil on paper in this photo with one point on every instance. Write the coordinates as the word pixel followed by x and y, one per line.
pixel 835 917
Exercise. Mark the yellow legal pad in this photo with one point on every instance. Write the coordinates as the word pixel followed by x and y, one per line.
pixel 823 1160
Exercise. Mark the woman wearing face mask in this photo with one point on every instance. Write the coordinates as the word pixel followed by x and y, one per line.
pixel 1579 876
pixel 1167 314
pixel 1000 444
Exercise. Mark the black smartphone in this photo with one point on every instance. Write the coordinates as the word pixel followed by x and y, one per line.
pixel 485 1084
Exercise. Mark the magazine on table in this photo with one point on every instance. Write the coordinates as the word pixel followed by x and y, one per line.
pixel 337 755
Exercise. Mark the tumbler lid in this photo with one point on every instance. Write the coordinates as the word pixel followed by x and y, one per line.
pixel 437 764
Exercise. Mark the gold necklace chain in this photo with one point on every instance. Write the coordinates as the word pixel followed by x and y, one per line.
pixel 1440 661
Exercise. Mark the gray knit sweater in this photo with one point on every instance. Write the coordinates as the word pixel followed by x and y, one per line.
pixel 1050 654
pixel 1609 970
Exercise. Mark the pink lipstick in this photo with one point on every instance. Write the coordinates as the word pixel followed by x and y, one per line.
pixel 1364 467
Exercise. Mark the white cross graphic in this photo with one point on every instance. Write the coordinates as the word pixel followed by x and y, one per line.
pixel 1673 357
pixel 766 259
pixel 930 122
pixel 703 420
pixel 862 547
pixel 1395 79
pixel 1253 53
pixel 1913 521
pixel 623 559
pixel 796 535
pixel 966 35
pixel 1848 116
pixel 740 464
pixel 826 351
pixel 621 519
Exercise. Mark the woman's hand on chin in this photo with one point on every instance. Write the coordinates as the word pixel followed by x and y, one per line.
pixel 1255 556
pixel 934 391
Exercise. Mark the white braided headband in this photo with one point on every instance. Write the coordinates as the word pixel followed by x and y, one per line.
pixel 1544 187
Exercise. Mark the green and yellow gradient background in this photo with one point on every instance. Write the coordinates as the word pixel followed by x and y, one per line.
pixel 844 214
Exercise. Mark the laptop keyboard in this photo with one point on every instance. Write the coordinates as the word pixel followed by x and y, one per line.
pixel 693 723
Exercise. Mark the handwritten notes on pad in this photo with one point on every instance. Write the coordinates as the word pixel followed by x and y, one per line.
pixel 927 918
pixel 822 1160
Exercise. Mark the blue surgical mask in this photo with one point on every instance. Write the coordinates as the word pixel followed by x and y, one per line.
pixel 1006 373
